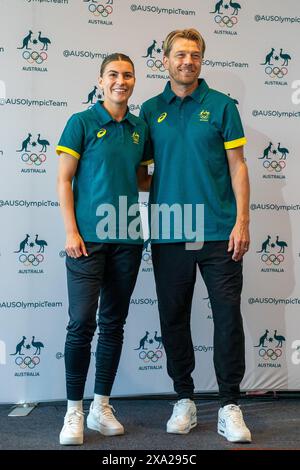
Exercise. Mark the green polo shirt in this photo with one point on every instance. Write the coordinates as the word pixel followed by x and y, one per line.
pixel 190 137
pixel 109 154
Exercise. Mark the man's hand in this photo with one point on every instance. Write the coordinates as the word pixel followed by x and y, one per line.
pixel 75 246
pixel 239 240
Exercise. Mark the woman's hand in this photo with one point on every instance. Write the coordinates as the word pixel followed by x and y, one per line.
pixel 75 246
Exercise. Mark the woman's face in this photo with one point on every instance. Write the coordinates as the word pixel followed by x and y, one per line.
pixel 117 82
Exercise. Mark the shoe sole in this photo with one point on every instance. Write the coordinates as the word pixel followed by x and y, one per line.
pixel 71 441
pixel 102 429
pixel 229 438
pixel 171 430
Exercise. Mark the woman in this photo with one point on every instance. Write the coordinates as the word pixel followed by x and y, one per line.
pixel 101 151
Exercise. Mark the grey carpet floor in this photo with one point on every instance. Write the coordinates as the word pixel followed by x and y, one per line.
pixel 275 424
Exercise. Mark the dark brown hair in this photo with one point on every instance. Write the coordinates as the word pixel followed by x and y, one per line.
pixel 112 58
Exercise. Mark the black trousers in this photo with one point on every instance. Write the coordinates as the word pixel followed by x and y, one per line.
pixel 111 269
pixel 175 275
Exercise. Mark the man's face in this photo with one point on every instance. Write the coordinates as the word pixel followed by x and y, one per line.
pixel 184 62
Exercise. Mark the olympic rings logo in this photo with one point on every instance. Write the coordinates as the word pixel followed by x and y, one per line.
pixel 270 353
pixel 272 259
pixel 276 72
pixel 150 355
pixel 226 21
pixel 274 166
pixel 155 64
pixel 31 259
pixel 34 158
pixel 28 361
pixel 35 56
pixel 147 257
pixel 101 10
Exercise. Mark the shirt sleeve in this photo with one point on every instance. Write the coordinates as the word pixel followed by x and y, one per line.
pixel 148 147
pixel 72 138
pixel 232 130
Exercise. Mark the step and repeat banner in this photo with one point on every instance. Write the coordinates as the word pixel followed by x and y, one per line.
pixel 50 54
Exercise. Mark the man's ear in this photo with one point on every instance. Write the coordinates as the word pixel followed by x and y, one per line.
pixel 166 62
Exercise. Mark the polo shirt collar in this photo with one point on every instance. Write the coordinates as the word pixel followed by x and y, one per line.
pixel 104 117
pixel 197 95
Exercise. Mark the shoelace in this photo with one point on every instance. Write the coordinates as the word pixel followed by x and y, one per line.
pixel 74 417
pixel 235 414
pixel 106 410
pixel 180 407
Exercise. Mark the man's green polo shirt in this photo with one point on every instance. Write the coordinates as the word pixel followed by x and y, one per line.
pixel 190 137
pixel 109 154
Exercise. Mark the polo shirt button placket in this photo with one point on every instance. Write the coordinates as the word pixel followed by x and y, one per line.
pixel 121 132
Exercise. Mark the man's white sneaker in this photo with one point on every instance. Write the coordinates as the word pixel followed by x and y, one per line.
pixel 101 419
pixel 72 431
pixel 231 424
pixel 184 417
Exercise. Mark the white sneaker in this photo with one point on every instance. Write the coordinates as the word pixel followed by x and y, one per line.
pixel 72 431
pixel 102 419
pixel 231 424
pixel 184 417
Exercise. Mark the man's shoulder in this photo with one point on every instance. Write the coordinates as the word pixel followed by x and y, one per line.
pixel 152 103
pixel 220 98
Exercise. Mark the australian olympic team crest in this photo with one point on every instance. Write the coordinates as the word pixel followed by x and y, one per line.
pixel 150 351
pixel 92 97
pixel 35 51
pixel 100 11
pixel 274 158
pixel 154 60
pixel 207 304
pixel 270 348
pixel 147 257
pixel 226 16
pixel 272 254
pixel 276 66
pixel 32 153
pixel 31 254
pixel 27 356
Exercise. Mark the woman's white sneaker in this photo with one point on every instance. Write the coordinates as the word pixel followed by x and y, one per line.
pixel 184 417
pixel 102 419
pixel 231 424
pixel 72 431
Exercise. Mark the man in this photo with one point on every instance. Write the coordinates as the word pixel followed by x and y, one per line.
pixel 198 140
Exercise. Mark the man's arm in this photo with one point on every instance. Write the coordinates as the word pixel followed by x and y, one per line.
pixel 67 168
pixel 143 178
pixel 239 238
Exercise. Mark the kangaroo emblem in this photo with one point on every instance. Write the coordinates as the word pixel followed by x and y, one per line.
pixel 266 152
pixel 150 50
pixel 19 347
pixel 91 96
pixel 23 245
pixel 264 245
pixel 26 41
pixel 143 341
pixel 269 57
pixel 262 340
pixel 217 7
pixel 25 143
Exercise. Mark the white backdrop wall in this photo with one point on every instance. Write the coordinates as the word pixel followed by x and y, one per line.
pixel 50 52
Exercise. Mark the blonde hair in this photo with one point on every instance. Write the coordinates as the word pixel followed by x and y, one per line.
pixel 191 34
